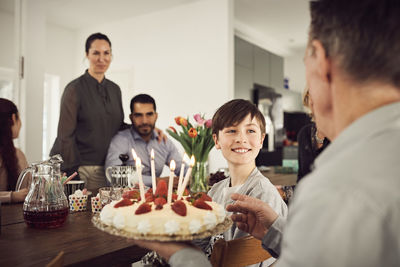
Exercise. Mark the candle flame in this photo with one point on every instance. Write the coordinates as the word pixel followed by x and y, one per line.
pixel 138 163
pixel 152 154
pixel 172 165
pixel 192 161
pixel 134 154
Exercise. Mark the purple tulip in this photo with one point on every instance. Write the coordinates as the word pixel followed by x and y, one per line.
pixel 208 123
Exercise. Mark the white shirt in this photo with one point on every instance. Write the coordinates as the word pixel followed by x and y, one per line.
pixel 347 211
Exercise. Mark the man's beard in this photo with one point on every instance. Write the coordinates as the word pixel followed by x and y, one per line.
pixel 144 129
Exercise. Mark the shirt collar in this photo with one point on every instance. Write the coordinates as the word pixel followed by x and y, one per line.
pixel 92 80
pixel 374 122
pixel 136 135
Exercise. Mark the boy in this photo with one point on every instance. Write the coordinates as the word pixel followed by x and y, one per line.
pixel 239 131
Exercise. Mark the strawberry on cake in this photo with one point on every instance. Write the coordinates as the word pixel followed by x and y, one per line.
pixel 191 215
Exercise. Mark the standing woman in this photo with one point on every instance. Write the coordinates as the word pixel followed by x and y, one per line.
pixel 12 160
pixel 91 113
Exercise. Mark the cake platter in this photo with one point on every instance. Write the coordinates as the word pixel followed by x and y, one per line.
pixel 218 229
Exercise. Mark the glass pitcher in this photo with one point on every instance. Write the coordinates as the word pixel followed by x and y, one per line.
pixel 46 205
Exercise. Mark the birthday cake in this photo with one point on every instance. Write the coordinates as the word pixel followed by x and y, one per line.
pixel 188 218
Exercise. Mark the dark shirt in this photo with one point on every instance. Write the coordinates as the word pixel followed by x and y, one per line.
pixel 91 114
pixel 308 149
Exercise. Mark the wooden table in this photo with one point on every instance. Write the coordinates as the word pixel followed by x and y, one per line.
pixel 82 243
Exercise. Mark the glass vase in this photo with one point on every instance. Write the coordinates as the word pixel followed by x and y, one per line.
pixel 199 177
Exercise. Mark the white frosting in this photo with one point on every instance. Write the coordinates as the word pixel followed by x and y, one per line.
pixel 210 220
pixel 107 214
pixel 119 221
pixel 194 226
pixel 78 193
pixel 221 214
pixel 144 227
pixel 164 221
pixel 171 227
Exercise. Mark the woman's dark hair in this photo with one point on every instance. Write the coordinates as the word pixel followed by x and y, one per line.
pixel 93 37
pixel 233 113
pixel 7 149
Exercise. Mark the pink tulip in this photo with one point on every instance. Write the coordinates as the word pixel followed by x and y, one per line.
pixel 208 123
pixel 199 119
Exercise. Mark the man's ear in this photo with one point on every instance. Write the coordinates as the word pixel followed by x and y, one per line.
pixel 215 137
pixel 323 62
pixel 131 117
pixel 156 114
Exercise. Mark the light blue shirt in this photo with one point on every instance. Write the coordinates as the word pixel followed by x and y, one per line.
pixel 164 152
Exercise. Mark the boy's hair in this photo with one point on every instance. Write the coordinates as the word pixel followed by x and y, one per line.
pixel 144 99
pixel 233 112
pixel 363 36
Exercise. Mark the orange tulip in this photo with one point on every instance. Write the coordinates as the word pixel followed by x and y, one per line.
pixel 178 120
pixel 192 132
pixel 183 121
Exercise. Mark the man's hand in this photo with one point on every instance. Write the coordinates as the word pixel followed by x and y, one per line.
pixel 164 249
pixel 161 135
pixel 255 216
pixel 166 179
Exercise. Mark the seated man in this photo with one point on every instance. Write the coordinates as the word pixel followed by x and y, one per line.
pixel 142 138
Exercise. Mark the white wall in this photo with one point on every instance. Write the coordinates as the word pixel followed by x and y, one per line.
pixel 294 70
pixel 7 40
pixel 60 65
pixel 182 56
pixel 61 53
pixel 31 106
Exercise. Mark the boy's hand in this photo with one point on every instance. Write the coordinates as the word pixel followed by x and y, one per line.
pixel 255 216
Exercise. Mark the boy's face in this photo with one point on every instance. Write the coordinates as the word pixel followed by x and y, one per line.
pixel 240 144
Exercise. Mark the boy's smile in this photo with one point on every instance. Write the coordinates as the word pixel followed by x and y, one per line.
pixel 241 143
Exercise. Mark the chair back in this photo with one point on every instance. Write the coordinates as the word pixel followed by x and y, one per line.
pixel 243 251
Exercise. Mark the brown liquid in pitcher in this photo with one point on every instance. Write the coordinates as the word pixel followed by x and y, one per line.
pixel 46 219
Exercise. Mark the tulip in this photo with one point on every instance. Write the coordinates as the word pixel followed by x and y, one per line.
pixel 172 129
pixel 199 119
pixel 178 120
pixel 192 132
pixel 183 121
pixel 208 123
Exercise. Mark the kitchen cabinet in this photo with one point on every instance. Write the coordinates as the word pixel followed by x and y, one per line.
pixel 254 64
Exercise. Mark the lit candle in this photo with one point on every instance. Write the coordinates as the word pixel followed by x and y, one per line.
pixel 181 173
pixel 141 185
pixel 134 154
pixel 186 180
pixel 171 180
pixel 153 171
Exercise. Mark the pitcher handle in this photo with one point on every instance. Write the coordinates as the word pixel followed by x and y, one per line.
pixel 21 178
pixel 108 175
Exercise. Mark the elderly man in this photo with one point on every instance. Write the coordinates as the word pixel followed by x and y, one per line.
pixel 143 138
pixel 347 211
